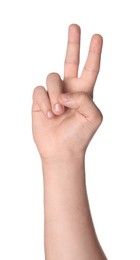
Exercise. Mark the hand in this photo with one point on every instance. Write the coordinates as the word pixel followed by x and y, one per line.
pixel 68 127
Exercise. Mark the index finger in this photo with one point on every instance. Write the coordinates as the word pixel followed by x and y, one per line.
pixel 92 65
pixel 72 53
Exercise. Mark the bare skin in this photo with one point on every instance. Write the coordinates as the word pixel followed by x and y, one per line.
pixel 62 137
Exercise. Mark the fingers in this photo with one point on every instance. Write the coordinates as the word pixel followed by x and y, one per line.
pixel 55 88
pixel 92 65
pixel 41 102
pixel 48 101
pixel 73 51
pixel 82 102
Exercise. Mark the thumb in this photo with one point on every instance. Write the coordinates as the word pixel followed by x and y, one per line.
pixel 83 103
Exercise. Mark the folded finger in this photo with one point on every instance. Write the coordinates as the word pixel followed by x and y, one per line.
pixel 41 102
pixel 55 88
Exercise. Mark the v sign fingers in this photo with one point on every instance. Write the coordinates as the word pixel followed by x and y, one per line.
pixel 92 65
pixel 73 51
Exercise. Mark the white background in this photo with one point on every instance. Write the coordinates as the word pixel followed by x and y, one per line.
pixel 33 36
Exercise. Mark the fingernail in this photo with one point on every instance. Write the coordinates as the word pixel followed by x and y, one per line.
pixel 65 97
pixel 58 108
pixel 50 114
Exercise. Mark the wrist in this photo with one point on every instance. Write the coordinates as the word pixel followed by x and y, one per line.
pixel 61 173
pixel 63 158
pixel 63 165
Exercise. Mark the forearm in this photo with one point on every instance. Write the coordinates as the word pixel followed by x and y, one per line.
pixel 69 231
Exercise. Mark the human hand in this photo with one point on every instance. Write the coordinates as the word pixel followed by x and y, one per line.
pixel 69 130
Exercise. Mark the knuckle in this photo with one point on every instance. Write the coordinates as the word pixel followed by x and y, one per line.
pixel 37 90
pixel 99 117
pixel 52 76
pixel 83 95
pixel 92 70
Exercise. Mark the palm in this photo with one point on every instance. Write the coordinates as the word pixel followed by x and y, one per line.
pixel 59 131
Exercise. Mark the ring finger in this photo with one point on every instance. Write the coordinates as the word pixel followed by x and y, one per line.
pixel 55 88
